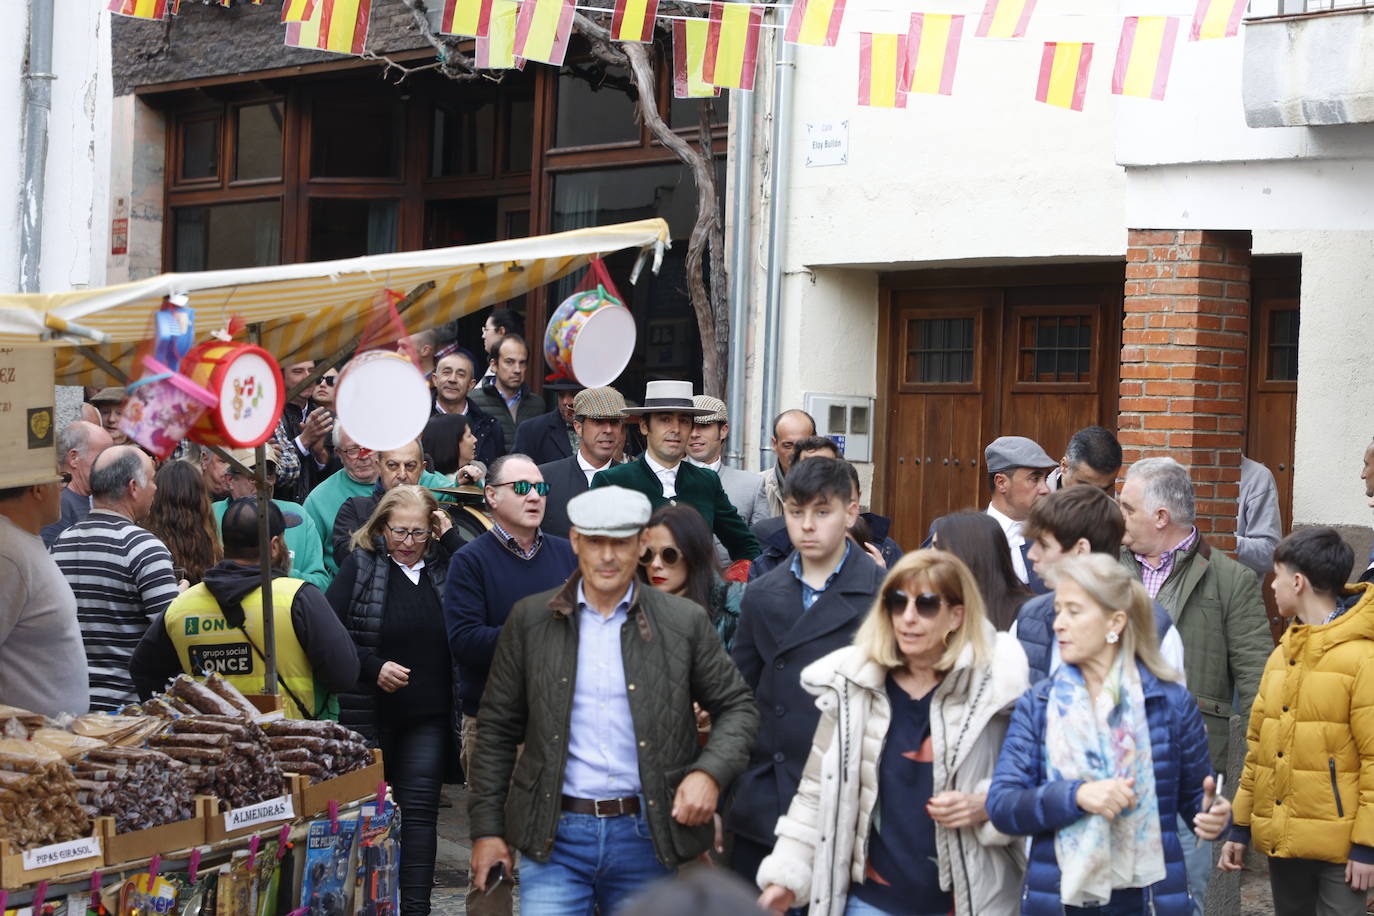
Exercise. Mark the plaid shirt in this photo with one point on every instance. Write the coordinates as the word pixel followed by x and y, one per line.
pixel 511 544
pixel 1154 577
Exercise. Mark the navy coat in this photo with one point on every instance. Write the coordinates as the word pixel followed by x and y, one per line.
pixel 566 479
pixel 1021 801
pixel 544 438
pixel 774 642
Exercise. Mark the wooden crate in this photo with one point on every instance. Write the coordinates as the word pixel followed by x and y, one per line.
pixel 351 787
pixel 13 873
pixel 124 848
pixel 217 832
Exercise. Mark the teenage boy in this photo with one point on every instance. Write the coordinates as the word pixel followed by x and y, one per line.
pixel 1069 523
pixel 795 614
pixel 1309 765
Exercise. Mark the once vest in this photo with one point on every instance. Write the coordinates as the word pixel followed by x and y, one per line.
pixel 205 642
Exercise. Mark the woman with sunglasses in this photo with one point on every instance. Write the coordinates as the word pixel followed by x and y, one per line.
pixel 680 559
pixel 1103 756
pixel 889 816
pixel 388 593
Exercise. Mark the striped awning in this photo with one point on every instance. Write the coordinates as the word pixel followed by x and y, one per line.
pixel 312 310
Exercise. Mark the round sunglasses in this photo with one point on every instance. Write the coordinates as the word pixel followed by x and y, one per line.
pixel 670 556
pixel 928 604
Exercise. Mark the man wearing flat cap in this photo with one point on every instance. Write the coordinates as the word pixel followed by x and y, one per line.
pixel 597 678
pixel 1018 475
pixel 599 422
pixel 663 475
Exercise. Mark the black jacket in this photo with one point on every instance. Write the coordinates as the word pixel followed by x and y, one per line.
pixel 544 438
pixel 333 659
pixel 566 480
pixel 774 642
pixel 493 404
pixel 487 429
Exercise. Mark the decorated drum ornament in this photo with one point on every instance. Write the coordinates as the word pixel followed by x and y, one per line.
pixel 382 400
pixel 162 407
pixel 248 383
pixel 590 337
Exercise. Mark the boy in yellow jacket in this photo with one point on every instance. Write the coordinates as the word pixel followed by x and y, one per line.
pixel 1306 796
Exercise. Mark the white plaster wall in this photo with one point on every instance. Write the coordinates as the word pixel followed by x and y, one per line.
pixel 13 51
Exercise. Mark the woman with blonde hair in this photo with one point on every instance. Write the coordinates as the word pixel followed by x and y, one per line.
pixel 889 816
pixel 1103 756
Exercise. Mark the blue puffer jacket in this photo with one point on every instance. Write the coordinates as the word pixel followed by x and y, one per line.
pixel 1020 801
pixel 1035 630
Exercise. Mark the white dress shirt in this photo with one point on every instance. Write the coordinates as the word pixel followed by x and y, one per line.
pixel 1012 529
pixel 588 468
pixel 666 476
pixel 714 466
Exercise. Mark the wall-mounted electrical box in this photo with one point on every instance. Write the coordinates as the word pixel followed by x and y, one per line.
pixel 848 419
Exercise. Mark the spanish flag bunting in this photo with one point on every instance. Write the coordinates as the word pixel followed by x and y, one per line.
pixel 465 17
pixel 496 50
pixel 543 30
pixel 633 20
pixel 815 22
pixel 882 70
pixel 139 9
pixel 932 51
pixel 1216 19
pixel 297 10
pixel 732 45
pixel 1064 73
pixel 1144 56
pixel 689 56
pixel 334 25
pixel 1005 19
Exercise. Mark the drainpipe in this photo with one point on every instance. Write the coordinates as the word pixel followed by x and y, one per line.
pixel 781 161
pixel 740 274
pixel 37 103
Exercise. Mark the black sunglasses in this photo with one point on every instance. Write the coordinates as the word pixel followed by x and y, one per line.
pixel 670 556
pixel 523 487
pixel 927 603
pixel 328 380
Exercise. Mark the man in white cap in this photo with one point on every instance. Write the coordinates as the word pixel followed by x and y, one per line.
pixel 665 478
pixel 597 679
pixel 1018 475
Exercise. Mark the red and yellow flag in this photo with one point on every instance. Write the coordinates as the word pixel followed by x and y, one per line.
pixel 689 57
pixel 496 49
pixel 1064 73
pixel 815 22
pixel 882 70
pixel 297 10
pixel 634 20
pixel 1005 19
pixel 1216 19
pixel 139 9
pixel 932 52
pixel 732 45
pixel 1144 55
pixel 543 30
pixel 465 17
pixel 334 25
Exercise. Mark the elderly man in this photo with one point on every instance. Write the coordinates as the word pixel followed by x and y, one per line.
pixel 404 465
pixel 110 403
pixel 77 446
pixel 214 471
pixel 599 423
pixel 789 427
pixel 121 575
pixel 662 475
pixel 42 660
pixel 355 478
pixel 1018 471
pixel 507 397
pixel 597 678
pixel 453 380
pixel 302 539
pixel 1092 458
pixel 551 436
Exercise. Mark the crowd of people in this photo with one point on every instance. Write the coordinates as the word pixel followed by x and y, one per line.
pixel 645 658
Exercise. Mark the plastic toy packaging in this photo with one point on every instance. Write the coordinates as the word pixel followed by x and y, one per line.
pixel 330 872
pixel 378 891
pixel 249 884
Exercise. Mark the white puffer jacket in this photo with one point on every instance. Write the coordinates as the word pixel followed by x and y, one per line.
pixel 822 843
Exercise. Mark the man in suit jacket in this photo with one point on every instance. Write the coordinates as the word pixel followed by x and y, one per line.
pixel 704 449
pixel 509 399
pixel 551 435
pixel 790 617
pixel 600 427
pixel 662 475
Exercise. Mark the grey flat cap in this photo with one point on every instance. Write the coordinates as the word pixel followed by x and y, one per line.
pixel 1009 452
pixel 613 512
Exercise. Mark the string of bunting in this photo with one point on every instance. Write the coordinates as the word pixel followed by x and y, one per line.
pixel 721 50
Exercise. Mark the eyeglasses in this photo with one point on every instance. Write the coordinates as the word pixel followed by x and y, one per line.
pixel 670 556
pixel 928 604
pixel 523 487
pixel 356 452
pixel 418 535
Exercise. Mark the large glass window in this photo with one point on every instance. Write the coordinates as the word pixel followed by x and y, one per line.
pixel 257 146
pixel 596 106
pixel 226 236
pixel 939 351
pixel 356 136
pixel 347 228
pixel 199 148
pixel 464 135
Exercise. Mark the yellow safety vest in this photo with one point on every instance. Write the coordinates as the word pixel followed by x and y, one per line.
pixel 205 641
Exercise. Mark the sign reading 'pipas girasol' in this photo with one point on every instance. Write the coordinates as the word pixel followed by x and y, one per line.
pixel 27 417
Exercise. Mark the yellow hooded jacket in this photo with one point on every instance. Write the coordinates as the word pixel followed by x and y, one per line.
pixel 1307 790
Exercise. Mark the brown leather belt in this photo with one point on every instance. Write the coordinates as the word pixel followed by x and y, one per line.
pixel 602 807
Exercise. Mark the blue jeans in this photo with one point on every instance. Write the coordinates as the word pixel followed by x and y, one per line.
pixel 596 864
pixel 853 906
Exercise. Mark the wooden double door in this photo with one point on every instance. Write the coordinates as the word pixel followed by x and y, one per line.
pixel 966 364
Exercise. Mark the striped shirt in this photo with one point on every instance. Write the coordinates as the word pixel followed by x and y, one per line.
pixel 122 578
pixel 1154 577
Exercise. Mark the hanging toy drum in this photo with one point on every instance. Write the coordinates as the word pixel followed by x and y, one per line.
pixel 251 394
pixel 590 337
pixel 162 407
pixel 382 400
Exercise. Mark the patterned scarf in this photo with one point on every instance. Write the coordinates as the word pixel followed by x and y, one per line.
pixel 1106 740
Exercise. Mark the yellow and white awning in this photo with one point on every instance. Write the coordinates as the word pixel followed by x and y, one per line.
pixel 311 310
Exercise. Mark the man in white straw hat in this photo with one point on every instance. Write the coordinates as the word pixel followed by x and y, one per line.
pixel 663 475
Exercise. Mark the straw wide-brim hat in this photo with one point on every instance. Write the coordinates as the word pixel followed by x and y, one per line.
pixel 668 396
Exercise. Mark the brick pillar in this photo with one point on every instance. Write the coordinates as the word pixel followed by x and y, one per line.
pixel 1184 349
